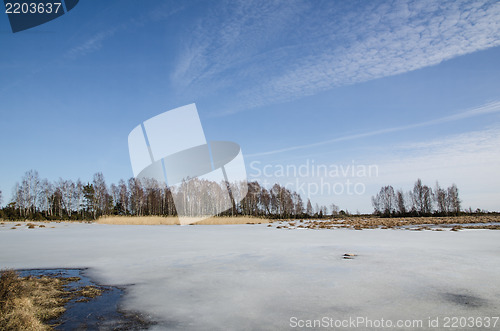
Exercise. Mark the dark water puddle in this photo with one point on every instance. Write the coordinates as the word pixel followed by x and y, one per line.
pixel 469 301
pixel 100 313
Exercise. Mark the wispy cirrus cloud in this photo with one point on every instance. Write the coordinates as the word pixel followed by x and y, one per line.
pixel 96 41
pixel 230 37
pixel 489 108
pixel 263 52
pixel 470 159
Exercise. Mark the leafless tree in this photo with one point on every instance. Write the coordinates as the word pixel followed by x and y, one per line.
pixel 18 199
pixel 65 189
pixel 44 201
pixel 32 180
pixel 309 208
pixel 418 201
pixel 33 197
pixel 335 209
pixel 153 193
pixel 124 196
pixel 275 199
pixel 323 211
pixel 427 205
pixel 317 209
pixel 298 208
pixel 422 198
pixel 265 201
pixel 384 202
pixel 136 196
pixel 101 194
pixel 401 202
pixel 26 193
pixel 115 193
pixel 77 197
pixel 250 205
pixel 441 199
pixel 453 199
pixel 377 205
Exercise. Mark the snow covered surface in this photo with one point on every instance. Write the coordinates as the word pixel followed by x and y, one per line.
pixel 245 277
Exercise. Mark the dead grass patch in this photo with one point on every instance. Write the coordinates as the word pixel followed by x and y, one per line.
pixel 158 220
pixel 138 220
pixel 410 223
pixel 88 292
pixel 27 302
pixel 232 220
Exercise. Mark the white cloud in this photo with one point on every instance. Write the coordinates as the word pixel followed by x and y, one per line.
pixel 489 108
pixel 471 160
pixel 268 52
pixel 92 44
pixel 233 35
pixel 96 41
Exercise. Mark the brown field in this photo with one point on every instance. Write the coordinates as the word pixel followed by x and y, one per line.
pixel 158 220
pixel 419 223
pixel 26 302
pixel 355 222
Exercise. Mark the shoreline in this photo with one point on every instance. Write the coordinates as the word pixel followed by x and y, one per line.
pixel 173 275
pixel 76 301
pixel 352 222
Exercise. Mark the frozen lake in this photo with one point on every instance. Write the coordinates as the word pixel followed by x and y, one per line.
pixel 251 277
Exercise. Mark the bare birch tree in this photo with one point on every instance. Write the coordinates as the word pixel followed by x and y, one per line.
pixel 384 202
pixel 453 199
pixel 422 198
pixel 441 199
pixel 334 209
pixel 309 208
pixel 401 202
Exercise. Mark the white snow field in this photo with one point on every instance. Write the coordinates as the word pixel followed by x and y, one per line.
pixel 251 277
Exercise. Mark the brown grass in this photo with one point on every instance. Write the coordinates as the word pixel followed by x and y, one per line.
pixel 233 220
pixel 88 292
pixel 415 223
pixel 26 302
pixel 138 220
pixel 158 220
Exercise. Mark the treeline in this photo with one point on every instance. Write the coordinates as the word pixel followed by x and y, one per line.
pixel 280 202
pixel 40 199
pixel 421 201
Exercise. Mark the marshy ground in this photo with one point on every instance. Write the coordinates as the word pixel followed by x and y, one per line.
pixel 35 302
pixel 353 222
pixel 491 222
pixel 252 276
pixel 60 299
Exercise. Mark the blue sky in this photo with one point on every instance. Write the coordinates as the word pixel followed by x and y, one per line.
pixel 409 86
